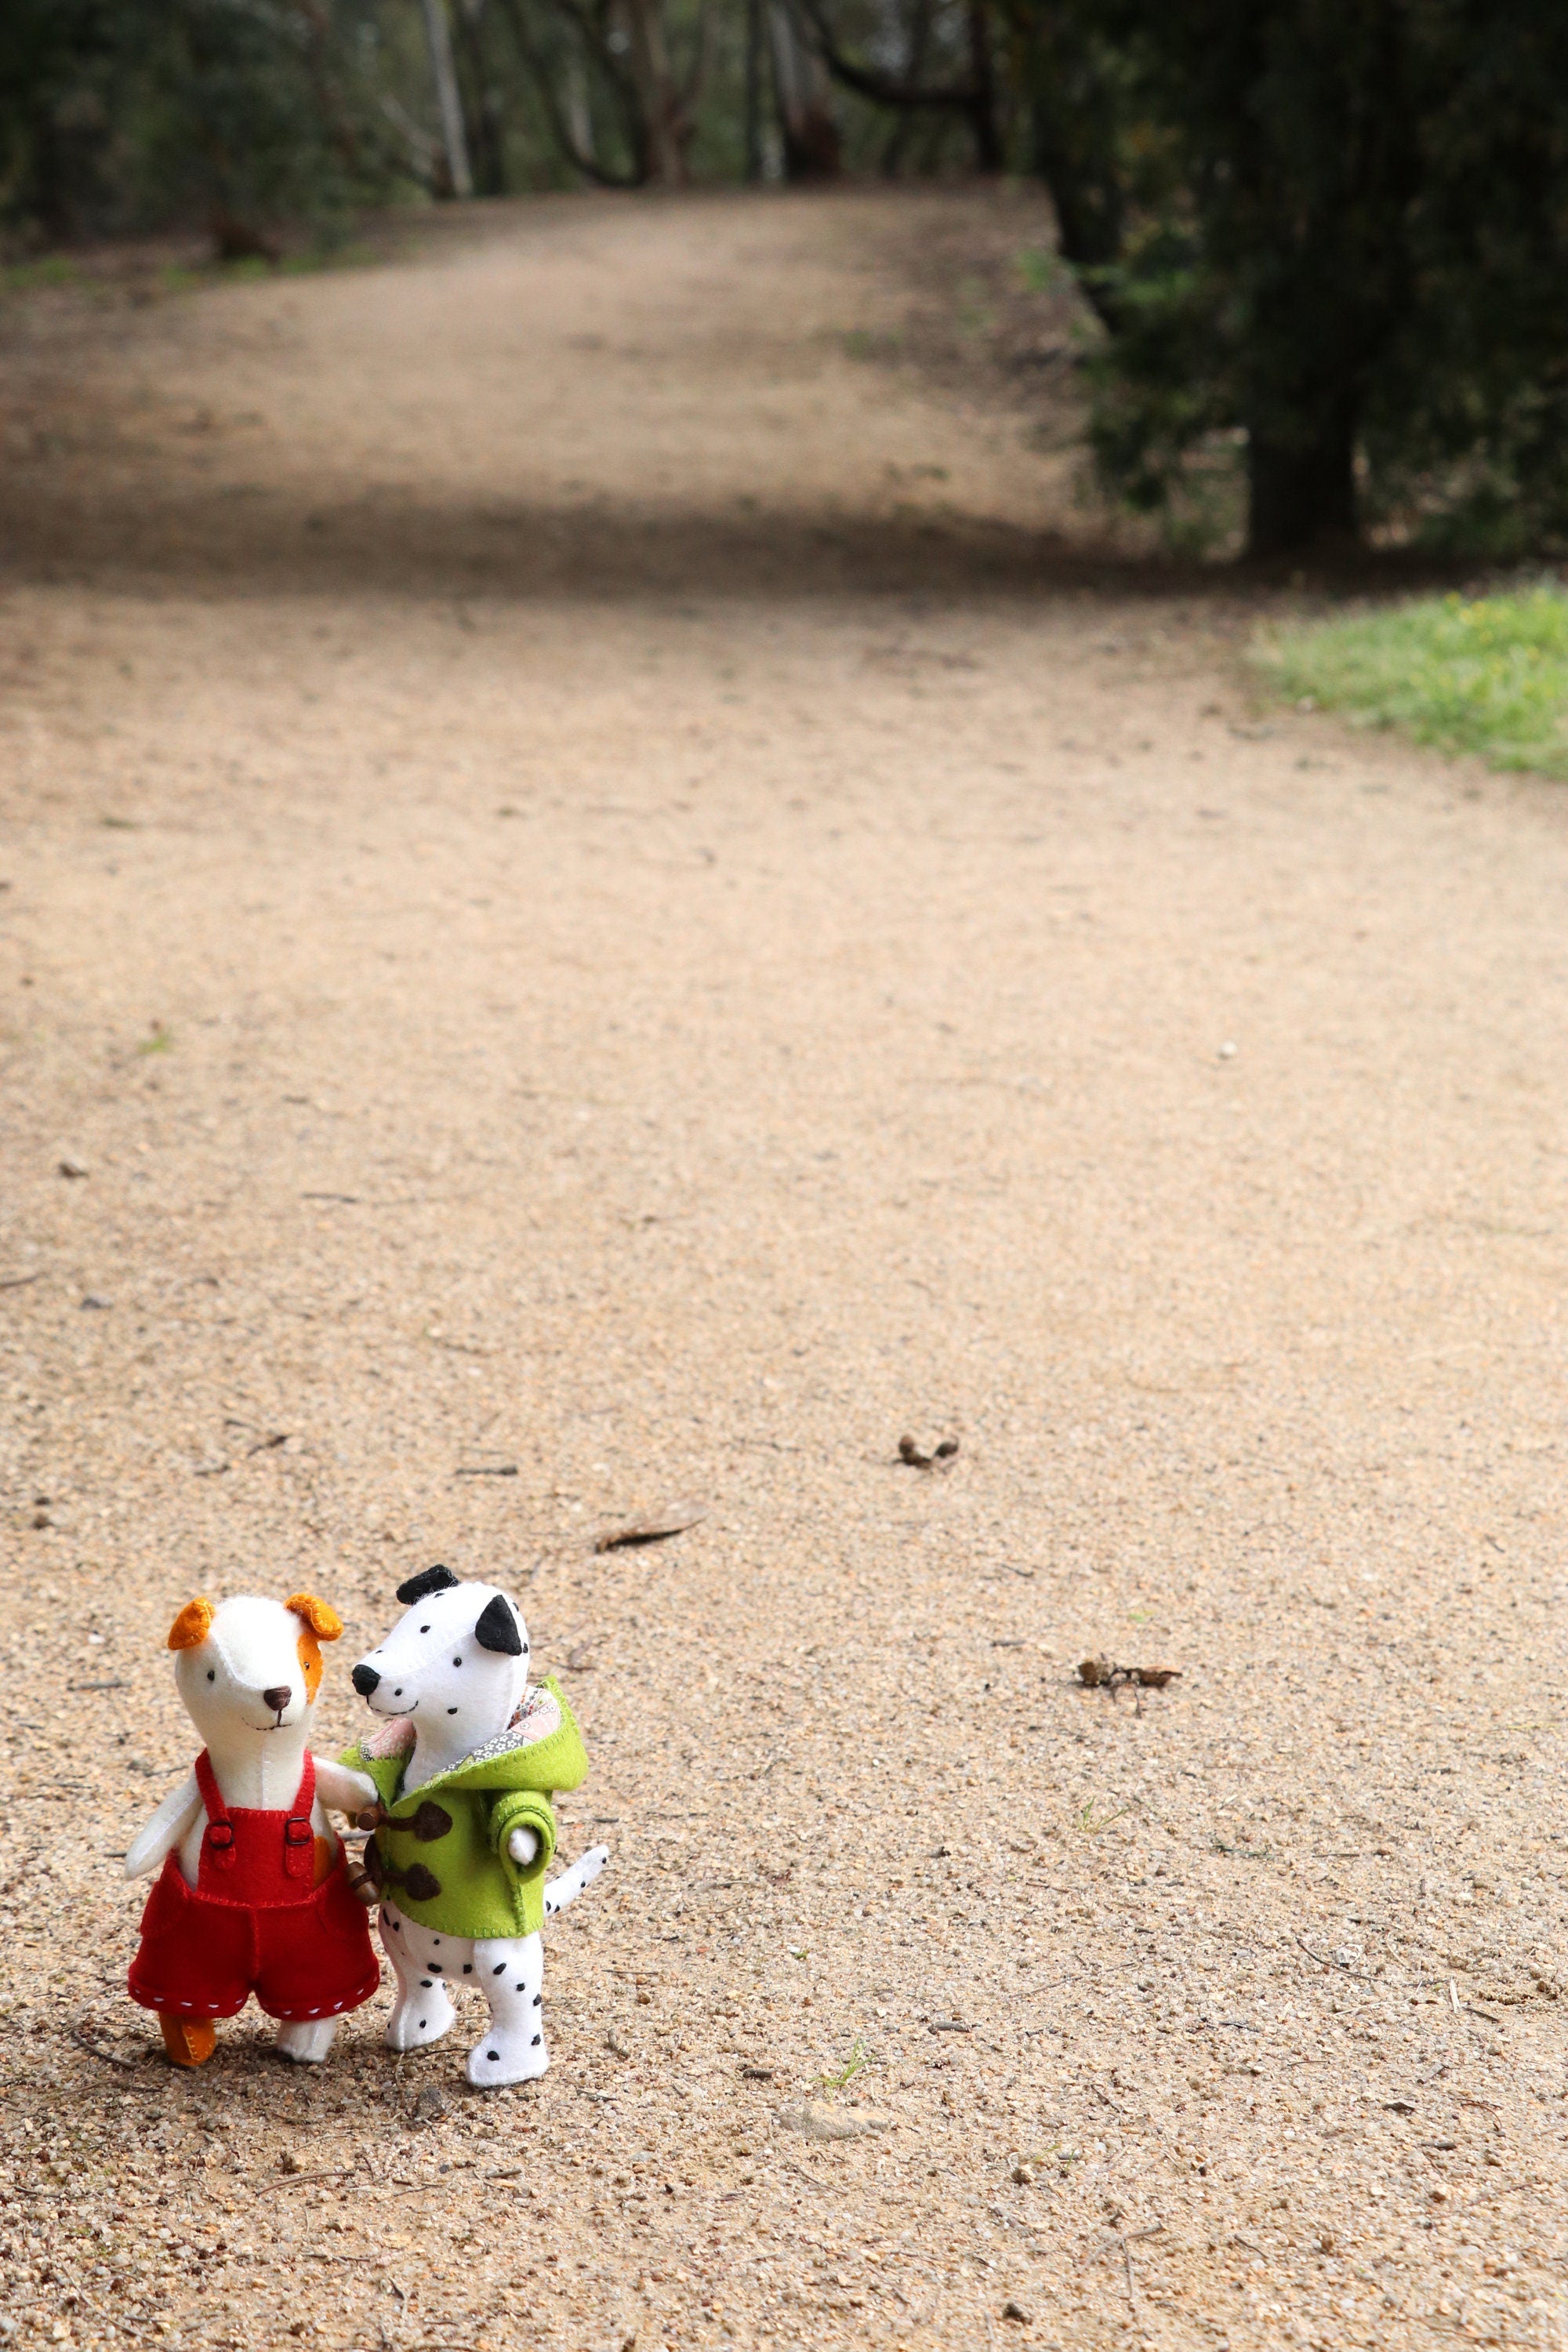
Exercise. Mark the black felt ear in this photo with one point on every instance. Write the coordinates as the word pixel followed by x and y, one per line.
pixel 497 1628
pixel 428 1581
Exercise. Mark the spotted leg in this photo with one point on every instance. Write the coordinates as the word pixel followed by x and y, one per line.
pixel 422 2011
pixel 511 1972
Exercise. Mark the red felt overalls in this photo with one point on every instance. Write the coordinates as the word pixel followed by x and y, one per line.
pixel 254 1922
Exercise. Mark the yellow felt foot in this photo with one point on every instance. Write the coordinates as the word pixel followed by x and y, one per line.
pixel 190 2041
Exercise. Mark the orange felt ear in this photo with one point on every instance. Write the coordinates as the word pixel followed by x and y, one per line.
pixel 324 1622
pixel 191 1626
pixel 308 1650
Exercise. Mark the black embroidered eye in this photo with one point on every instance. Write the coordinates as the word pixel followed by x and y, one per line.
pixel 457 1662
pixel 425 1629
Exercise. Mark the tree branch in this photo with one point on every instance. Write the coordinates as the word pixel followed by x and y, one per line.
pixel 885 90
pixel 560 129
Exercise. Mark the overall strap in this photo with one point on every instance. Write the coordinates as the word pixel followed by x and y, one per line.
pixel 299 1837
pixel 218 1840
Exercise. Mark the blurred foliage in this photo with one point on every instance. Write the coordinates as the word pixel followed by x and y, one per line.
pixel 1328 236
pixel 1323 244
pixel 1486 674
pixel 118 114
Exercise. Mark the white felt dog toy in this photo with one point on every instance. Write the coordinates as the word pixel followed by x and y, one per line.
pixel 254 1896
pixel 465 1764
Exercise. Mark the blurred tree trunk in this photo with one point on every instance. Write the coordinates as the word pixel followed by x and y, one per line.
pixel 805 99
pixel 487 144
pixel 754 90
pixel 904 120
pixel 973 98
pixel 989 155
pixel 577 109
pixel 663 108
pixel 566 95
pixel 438 32
pixel 1301 493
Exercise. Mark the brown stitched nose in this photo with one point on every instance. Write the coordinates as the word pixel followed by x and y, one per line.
pixel 277 1698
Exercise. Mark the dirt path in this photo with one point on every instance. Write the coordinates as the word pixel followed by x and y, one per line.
pixel 600 902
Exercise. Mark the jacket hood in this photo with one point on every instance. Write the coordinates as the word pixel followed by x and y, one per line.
pixel 540 1748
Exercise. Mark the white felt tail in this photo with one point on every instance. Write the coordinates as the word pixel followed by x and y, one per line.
pixel 571 1883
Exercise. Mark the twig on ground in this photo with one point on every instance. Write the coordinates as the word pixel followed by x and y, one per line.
pixel 1122 2240
pixel 82 2034
pixel 652 1527
pixel 824 2188
pixel 302 2179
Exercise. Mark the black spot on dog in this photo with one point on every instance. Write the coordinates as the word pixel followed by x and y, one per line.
pixel 425 1982
pixel 536 2040
pixel 468 1967
pixel 492 2053
pixel 538 1998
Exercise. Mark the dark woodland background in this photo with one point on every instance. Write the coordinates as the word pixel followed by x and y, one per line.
pixel 1322 245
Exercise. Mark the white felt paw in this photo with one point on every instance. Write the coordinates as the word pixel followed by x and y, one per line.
pixel 421 2015
pixel 306 2040
pixel 502 2058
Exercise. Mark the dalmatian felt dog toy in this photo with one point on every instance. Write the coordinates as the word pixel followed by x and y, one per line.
pixel 465 1763
pixel 254 1896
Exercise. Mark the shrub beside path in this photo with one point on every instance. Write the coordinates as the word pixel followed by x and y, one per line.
pixel 607 907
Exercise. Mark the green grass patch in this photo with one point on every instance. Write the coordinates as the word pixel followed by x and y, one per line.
pixel 1481 674
pixel 1039 272
pixel 48 269
pixel 857 2063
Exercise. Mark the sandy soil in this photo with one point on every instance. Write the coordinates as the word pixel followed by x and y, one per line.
pixel 605 895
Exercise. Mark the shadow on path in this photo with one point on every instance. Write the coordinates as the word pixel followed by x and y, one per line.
pixel 232 540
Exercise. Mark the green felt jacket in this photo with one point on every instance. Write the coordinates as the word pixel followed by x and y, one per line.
pixel 441 1853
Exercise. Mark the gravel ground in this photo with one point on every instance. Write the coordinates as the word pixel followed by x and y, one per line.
pixel 607 907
